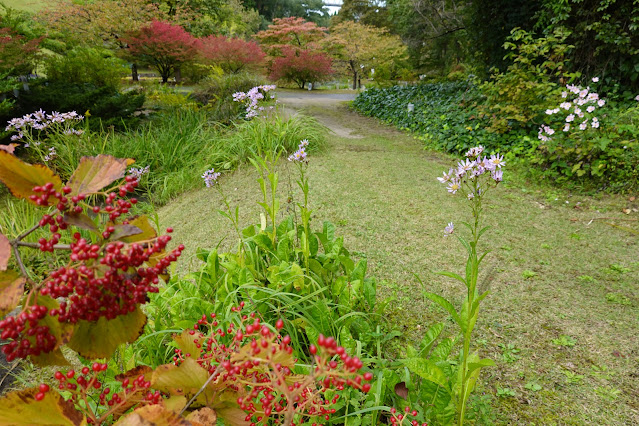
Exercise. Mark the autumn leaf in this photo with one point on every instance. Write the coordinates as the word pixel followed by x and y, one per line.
pixel 5 252
pixel 101 338
pixel 21 408
pixel 153 415
pixel 95 173
pixel 186 342
pixel 142 223
pixel 80 220
pixel 21 177
pixel 183 380
pixel 9 148
pixel 11 290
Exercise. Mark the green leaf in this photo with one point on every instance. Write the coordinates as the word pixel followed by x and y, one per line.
pixel 444 304
pixel 101 338
pixel 443 349
pixel 370 292
pixel 426 369
pixel 452 275
pixel 478 365
pixel 431 336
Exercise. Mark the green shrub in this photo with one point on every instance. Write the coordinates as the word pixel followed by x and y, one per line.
pixel 84 65
pixel 216 92
pixel 106 105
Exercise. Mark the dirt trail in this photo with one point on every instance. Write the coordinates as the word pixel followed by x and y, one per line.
pixel 294 102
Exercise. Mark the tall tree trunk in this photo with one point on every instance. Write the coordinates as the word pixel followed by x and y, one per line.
pixel 178 75
pixel 134 72
pixel 354 79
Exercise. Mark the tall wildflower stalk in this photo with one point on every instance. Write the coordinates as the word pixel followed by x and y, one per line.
pixel 475 176
pixel 299 157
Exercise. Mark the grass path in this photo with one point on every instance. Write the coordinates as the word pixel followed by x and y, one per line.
pixel 554 274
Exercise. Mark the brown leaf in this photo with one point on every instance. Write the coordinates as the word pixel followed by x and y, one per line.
pixel 123 231
pixel 203 416
pixel 21 177
pixel 95 173
pixel 401 390
pixel 80 220
pixel 11 291
pixel 5 252
pixel 21 408
pixel 134 373
pixel 153 415
pixel 632 198
pixel 9 148
pixel 626 211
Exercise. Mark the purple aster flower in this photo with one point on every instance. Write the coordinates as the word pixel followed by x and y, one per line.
pixel 448 230
pixel 210 177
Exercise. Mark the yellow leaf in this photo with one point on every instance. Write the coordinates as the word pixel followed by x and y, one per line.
pixel 186 342
pixel 148 232
pixel 185 380
pixel 101 338
pixel 11 290
pixel 21 177
pixel 21 408
pixel 153 415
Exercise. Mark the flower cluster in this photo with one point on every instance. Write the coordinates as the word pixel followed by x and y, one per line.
pixel 137 172
pixel 210 177
pixel 471 168
pixel 41 121
pixel 300 154
pixel 477 174
pixel 577 109
pixel 252 99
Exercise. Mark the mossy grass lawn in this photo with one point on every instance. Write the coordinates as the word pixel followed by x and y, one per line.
pixel 562 318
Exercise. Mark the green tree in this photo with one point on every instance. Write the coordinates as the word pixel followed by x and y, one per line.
pixel 358 48
pixel 367 12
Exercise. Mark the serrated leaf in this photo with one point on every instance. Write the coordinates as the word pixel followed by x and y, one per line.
pixel 21 408
pixel 11 290
pixel 80 220
pixel 5 252
pixel 123 231
pixel 153 415
pixel 21 177
pixel 101 338
pixel 183 380
pixel 203 416
pixel 95 173
pixel 143 223
pixel 186 342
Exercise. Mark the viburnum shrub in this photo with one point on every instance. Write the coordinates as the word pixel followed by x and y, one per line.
pixel 453 381
pixel 92 302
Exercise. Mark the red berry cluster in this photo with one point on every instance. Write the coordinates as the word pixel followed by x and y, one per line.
pixel 133 392
pixel 256 362
pixel 398 418
pixel 102 279
pixel 113 285
pixel 29 337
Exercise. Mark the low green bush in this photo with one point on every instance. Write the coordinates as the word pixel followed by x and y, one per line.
pixel 84 65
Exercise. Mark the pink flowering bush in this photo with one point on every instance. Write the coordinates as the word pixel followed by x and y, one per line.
pixel 584 136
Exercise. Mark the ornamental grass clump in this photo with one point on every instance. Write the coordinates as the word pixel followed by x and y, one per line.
pixel 474 176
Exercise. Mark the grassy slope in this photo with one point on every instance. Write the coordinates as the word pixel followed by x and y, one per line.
pixel 29 5
pixel 549 274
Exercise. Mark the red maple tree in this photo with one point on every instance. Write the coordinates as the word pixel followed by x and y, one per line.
pixel 301 66
pixel 17 53
pixel 163 46
pixel 231 54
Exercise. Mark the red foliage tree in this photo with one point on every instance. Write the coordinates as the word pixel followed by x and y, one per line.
pixel 301 66
pixel 163 46
pixel 232 54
